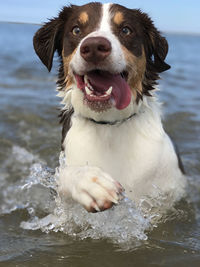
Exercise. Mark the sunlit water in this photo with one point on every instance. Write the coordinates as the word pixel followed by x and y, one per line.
pixel 36 227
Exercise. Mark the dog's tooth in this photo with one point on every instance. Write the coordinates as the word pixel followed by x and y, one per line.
pixel 88 91
pixel 90 87
pixel 87 84
pixel 109 91
pixel 85 78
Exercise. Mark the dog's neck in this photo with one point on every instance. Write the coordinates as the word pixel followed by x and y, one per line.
pixel 117 122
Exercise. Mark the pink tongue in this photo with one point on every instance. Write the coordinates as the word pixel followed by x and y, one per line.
pixel 121 91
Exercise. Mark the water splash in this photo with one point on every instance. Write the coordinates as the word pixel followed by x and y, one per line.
pixel 122 223
pixel 15 169
pixel 37 193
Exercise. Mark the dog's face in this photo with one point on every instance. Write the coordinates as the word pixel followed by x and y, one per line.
pixel 110 57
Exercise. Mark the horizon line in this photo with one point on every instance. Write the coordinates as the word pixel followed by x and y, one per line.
pixel 165 31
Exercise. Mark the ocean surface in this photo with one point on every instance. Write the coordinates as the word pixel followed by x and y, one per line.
pixel 36 228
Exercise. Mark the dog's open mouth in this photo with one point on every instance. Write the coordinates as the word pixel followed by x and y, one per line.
pixel 102 86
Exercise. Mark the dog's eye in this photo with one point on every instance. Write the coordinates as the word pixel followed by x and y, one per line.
pixel 126 31
pixel 76 30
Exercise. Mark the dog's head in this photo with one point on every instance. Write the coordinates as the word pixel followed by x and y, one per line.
pixel 110 57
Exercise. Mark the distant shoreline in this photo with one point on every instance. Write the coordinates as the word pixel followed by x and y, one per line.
pixel 165 32
pixel 17 22
pixel 182 33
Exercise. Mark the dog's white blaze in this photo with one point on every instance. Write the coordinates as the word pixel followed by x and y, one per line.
pixel 105 22
pixel 116 62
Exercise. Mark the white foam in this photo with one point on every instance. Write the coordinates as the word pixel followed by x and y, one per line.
pixel 122 223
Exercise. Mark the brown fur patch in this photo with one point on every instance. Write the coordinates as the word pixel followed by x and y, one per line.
pixel 83 18
pixel 67 76
pixel 118 18
pixel 69 81
pixel 136 69
pixel 94 179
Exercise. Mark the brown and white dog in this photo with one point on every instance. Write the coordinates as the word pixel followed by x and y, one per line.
pixel 113 138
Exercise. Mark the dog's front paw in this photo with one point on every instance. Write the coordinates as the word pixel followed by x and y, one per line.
pixel 97 191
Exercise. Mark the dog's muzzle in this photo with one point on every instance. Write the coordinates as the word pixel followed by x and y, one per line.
pixel 102 89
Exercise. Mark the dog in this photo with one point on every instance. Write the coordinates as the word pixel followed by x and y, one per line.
pixel 112 136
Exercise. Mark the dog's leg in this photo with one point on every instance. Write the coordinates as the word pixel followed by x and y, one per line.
pixel 90 186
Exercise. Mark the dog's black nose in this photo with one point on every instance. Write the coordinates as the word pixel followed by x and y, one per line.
pixel 95 49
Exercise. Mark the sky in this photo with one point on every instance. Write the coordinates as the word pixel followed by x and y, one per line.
pixel 168 15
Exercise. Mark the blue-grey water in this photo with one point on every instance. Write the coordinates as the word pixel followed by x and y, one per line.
pixel 35 228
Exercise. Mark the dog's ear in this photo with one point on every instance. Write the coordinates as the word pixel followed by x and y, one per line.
pixel 46 41
pixel 159 52
pixel 48 38
pixel 156 46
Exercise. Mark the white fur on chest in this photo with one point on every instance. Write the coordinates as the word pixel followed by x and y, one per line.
pixel 137 153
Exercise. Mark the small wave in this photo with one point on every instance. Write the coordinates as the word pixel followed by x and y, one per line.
pixel 22 155
pixel 13 176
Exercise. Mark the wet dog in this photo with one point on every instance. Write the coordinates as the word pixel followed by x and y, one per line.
pixel 113 138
